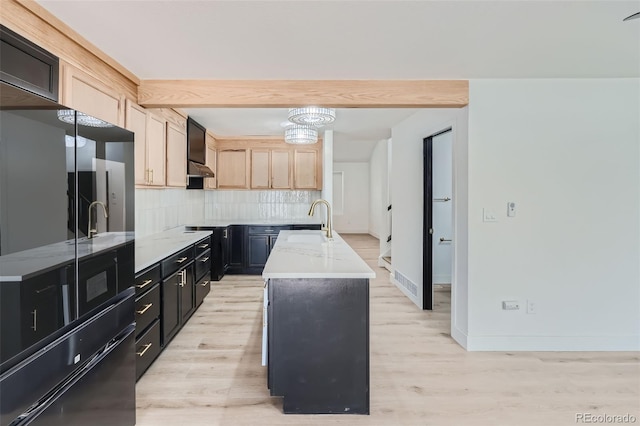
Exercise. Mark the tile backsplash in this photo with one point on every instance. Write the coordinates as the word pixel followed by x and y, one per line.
pixel 161 209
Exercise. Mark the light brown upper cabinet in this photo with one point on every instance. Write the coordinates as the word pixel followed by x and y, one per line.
pixel 210 157
pixel 149 133
pixel 156 150
pixel 136 121
pixel 271 169
pixel 260 165
pixel 233 169
pixel 281 168
pixel 307 169
pixel 86 94
pixel 176 156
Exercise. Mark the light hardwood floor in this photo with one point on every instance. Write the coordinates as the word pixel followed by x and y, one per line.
pixel 210 374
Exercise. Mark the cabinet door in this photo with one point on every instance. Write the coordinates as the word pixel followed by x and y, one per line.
pixel 233 171
pixel 40 308
pixel 236 247
pixel 156 150
pixel 272 242
pixel 170 306
pixel 211 154
pixel 305 169
pixel 136 121
pixel 258 250
pixel 280 169
pixel 87 94
pixel 176 156
pixel 187 295
pixel 260 165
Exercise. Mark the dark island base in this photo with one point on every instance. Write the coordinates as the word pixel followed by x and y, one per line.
pixel 318 345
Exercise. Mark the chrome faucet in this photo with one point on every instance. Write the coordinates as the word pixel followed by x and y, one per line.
pixel 92 232
pixel 328 229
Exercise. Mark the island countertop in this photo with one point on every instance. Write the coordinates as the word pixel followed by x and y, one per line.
pixel 303 254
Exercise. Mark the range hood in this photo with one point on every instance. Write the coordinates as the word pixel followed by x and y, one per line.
pixel 197 169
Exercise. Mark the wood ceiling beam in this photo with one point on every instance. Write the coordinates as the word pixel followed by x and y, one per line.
pixel 292 93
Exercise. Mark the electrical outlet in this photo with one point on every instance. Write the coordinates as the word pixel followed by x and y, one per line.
pixel 532 307
pixel 510 305
pixel 489 215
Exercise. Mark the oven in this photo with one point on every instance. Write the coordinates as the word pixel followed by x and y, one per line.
pixel 97 281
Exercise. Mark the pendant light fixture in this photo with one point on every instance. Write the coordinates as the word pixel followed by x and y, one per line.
pixel 69 116
pixel 312 115
pixel 301 134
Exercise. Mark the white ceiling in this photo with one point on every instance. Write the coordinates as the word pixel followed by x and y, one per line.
pixel 364 39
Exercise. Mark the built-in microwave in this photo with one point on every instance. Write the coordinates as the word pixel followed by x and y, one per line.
pixel 97 281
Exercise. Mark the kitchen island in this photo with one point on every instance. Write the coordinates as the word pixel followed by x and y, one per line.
pixel 316 324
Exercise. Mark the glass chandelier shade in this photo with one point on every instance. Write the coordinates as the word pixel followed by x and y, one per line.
pixel 68 116
pixel 312 115
pixel 301 134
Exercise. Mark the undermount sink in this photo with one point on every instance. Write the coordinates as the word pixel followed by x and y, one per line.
pixel 307 238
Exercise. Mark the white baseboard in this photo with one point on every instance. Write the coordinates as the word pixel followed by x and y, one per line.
pixel 551 343
pixel 459 336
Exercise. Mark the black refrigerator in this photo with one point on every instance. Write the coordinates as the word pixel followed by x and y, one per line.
pixel 66 257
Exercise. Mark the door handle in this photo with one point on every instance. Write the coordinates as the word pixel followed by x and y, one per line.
pixel 443 239
pixel 181 260
pixel 144 283
pixel 145 309
pixel 146 348
pixel 34 315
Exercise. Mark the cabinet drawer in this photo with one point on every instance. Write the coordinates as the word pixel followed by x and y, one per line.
pixel 147 348
pixel 202 246
pixel 146 279
pixel 202 289
pixel 268 229
pixel 173 263
pixel 147 309
pixel 203 264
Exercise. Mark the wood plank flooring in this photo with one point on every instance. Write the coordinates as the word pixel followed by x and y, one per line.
pixel 210 374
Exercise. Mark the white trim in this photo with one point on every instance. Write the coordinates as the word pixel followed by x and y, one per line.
pixel 459 336
pixel 405 291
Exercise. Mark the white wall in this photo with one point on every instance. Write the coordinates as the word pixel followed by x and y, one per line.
pixel 355 217
pixel 407 194
pixel 568 153
pixel 378 178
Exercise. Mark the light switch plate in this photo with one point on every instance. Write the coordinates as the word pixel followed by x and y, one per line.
pixel 511 209
pixel 489 215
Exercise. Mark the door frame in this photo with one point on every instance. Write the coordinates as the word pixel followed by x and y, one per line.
pixel 427 221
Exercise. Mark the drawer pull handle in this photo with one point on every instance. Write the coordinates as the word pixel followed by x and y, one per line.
pixel 144 284
pixel 146 348
pixel 145 309
pixel 182 259
pixel 203 246
pixel 204 284
pixel 34 313
pixel 268 230
pixel 204 259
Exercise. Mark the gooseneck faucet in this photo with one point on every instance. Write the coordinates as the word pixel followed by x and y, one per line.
pixel 94 231
pixel 328 229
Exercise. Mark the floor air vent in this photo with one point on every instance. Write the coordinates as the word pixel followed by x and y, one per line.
pixel 406 283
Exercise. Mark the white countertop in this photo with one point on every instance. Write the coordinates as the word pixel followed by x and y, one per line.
pixel 153 248
pixel 328 259
pixel 221 223
pixel 22 265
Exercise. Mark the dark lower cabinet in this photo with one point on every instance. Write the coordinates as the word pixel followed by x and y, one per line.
pixel 170 306
pixel 187 295
pixel 236 249
pixel 318 344
pixel 147 348
pixel 163 309
pixel 258 249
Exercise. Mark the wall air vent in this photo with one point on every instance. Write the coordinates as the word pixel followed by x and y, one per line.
pixel 406 283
